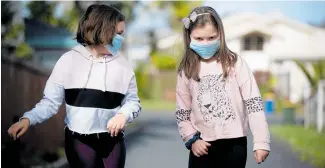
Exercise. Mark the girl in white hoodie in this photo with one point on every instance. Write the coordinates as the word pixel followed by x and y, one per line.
pixel 99 89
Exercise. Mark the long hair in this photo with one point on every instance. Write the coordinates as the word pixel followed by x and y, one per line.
pixel 190 62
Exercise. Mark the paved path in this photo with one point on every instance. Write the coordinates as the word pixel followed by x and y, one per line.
pixel 158 145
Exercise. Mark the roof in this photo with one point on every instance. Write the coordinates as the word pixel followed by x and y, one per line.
pixel 306 43
pixel 310 49
pixel 41 35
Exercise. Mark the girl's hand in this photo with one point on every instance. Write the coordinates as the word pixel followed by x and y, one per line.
pixel 116 124
pixel 19 128
pixel 200 148
pixel 260 155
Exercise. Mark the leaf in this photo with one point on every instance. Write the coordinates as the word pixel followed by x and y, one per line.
pixel 23 50
pixel 315 76
pixel 306 72
pixel 14 31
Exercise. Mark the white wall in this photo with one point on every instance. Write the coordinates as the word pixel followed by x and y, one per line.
pixel 281 36
pixel 284 35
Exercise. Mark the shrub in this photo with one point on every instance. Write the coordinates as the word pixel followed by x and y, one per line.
pixel 164 61
pixel 143 81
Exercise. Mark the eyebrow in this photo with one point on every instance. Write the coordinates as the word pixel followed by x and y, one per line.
pixel 213 35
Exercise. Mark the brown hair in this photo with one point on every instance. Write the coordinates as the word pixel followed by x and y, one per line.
pixel 98 25
pixel 190 62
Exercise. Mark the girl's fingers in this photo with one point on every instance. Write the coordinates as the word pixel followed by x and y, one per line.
pixel 112 131
pixel 204 148
pixel 21 132
pixel 204 151
pixel 207 144
pixel 259 159
pixel 117 129
pixel 14 131
pixel 112 128
pixel 196 154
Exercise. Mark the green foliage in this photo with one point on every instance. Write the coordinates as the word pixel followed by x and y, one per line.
pixel 157 105
pixel 278 101
pixel 315 75
pixel 179 10
pixel 43 11
pixel 71 17
pixel 163 61
pixel 14 31
pixel 126 8
pixel 307 142
pixel 143 81
pixel 23 50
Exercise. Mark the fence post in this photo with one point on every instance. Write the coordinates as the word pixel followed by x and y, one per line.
pixel 320 106
pixel 306 95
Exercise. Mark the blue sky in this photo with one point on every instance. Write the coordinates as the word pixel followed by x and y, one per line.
pixel 303 11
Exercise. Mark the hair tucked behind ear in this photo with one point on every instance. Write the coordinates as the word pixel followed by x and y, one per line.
pixel 190 62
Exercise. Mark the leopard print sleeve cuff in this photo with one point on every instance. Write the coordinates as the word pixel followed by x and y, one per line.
pixel 254 105
pixel 183 115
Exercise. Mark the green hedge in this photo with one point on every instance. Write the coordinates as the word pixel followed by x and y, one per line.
pixel 143 81
pixel 164 61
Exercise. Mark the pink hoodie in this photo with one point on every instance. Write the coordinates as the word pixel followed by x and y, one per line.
pixel 221 109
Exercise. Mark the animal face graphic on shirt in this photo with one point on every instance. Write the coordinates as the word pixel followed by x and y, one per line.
pixel 214 103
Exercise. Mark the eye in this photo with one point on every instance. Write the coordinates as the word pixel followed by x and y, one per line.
pixel 120 32
pixel 212 38
pixel 199 39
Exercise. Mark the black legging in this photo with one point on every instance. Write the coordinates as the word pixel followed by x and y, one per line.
pixel 94 150
pixel 223 153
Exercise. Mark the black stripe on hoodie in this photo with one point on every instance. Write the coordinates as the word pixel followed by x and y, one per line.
pixel 85 97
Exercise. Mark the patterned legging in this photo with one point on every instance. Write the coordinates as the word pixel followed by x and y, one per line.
pixel 94 150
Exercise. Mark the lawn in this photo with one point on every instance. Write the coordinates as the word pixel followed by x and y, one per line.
pixel 307 142
pixel 158 105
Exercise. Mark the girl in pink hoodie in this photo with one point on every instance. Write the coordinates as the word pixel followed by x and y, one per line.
pixel 217 96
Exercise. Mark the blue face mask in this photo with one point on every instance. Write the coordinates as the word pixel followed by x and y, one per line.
pixel 205 51
pixel 117 43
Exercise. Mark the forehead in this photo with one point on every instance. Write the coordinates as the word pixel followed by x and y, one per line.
pixel 204 31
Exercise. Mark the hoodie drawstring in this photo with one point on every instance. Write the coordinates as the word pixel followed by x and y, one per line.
pixel 91 67
pixel 105 73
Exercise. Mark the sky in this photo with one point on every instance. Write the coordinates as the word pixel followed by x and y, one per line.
pixel 302 11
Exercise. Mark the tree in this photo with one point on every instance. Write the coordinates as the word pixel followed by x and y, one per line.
pixel 10 33
pixel 43 11
pixel 179 10
pixel 71 17
pixel 314 75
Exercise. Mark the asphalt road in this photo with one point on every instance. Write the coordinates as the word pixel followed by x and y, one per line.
pixel 158 145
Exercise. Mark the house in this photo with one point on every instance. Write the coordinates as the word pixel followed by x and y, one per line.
pixel 270 42
pixel 48 42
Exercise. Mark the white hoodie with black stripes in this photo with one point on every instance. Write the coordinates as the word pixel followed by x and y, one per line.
pixel 94 90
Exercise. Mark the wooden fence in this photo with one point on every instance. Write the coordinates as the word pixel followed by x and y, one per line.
pixel 21 88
